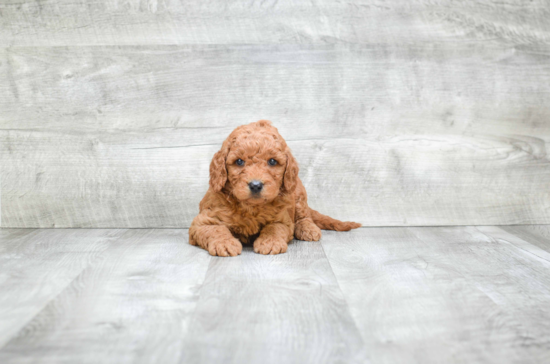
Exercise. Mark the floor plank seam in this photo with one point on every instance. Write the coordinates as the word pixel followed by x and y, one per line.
pixel 46 304
pixel 344 299
pixel 193 313
pixel 514 245
pixel 525 235
pixel 61 291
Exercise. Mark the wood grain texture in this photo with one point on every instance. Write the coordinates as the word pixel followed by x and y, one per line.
pixel 415 134
pixel 273 309
pixel 453 294
pixel 503 236
pixel 113 22
pixel 384 295
pixel 37 265
pixel 130 305
pixel 538 235
pixel 540 230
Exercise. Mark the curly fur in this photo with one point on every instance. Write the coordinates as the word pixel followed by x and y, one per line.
pixel 230 215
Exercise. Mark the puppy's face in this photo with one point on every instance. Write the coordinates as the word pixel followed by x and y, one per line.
pixel 255 168
pixel 254 165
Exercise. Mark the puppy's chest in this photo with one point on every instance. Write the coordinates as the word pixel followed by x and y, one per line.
pixel 250 223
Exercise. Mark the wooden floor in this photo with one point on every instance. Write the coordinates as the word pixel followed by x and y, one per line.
pixel 382 295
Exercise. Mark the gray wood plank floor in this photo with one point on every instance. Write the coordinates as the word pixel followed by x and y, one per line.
pixel 381 295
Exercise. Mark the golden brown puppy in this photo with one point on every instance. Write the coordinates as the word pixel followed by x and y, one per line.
pixel 255 195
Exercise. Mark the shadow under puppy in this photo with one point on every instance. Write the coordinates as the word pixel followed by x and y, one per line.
pixel 255 195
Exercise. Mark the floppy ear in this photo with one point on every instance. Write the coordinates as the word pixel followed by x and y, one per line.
pixel 218 172
pixel 291 172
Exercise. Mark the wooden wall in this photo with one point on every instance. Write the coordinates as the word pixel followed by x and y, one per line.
pixel 399 112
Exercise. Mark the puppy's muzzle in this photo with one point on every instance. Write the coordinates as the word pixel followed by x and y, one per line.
pixel 255 186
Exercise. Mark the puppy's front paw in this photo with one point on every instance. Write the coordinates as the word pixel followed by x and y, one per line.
pixel 225 248
pixel 268 245
pixel 307 230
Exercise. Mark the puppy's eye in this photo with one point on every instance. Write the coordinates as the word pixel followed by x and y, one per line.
pixel 239 162
pixel 272 162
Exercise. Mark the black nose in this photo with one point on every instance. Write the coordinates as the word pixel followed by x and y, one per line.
pixel 255 186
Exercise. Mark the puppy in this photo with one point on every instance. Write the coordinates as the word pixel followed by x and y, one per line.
pixel 255 196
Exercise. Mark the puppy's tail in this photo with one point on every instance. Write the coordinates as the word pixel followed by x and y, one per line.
pixel 328 223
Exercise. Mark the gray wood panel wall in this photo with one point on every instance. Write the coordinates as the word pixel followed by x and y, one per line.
pixel 399 113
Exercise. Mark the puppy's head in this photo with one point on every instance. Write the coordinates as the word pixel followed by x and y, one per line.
pixel 254 164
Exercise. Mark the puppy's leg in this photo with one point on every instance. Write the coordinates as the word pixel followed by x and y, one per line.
pixel 307 230
pixel 217 239
pixel 273 239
